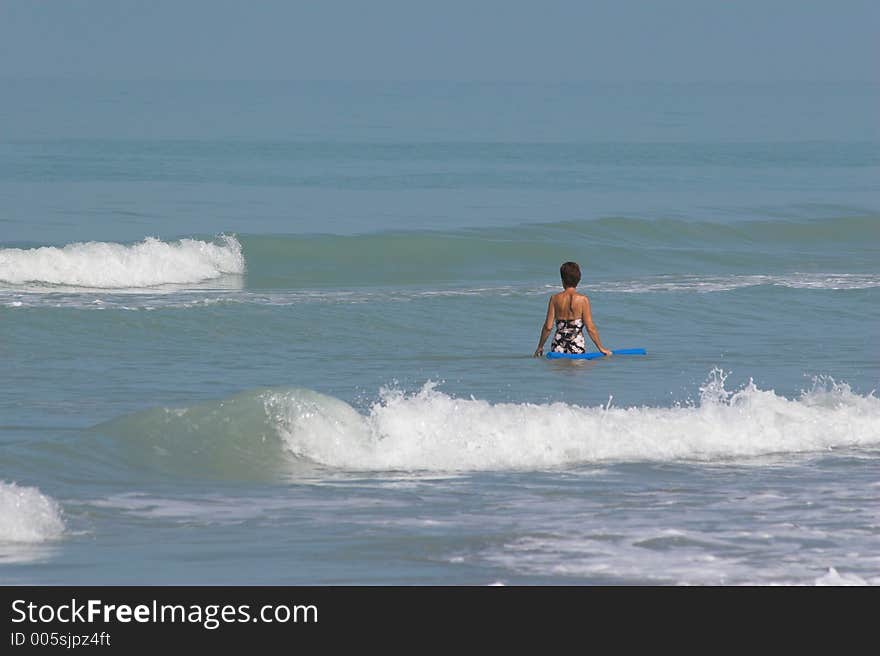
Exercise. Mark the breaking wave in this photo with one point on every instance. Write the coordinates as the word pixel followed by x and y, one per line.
pixel 107 265
pixel 260 432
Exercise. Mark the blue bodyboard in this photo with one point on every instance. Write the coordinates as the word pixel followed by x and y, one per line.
pixel 594 356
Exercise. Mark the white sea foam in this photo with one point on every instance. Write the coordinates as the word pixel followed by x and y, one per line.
pixel 665 556
pixel 105 265
pixel 835 578
pixel 27 515
pixel 433 431
pixel 204 282
pixel 724 283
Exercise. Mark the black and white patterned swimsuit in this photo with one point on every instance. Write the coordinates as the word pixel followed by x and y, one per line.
pixel 569 337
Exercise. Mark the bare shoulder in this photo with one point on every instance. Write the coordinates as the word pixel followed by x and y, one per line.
pixel 583 306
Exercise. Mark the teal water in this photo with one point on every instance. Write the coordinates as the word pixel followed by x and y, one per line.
pixel 281 333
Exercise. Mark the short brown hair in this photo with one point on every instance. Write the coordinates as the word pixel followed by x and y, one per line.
pixel 571 274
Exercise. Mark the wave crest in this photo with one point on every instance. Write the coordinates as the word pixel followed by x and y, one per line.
pixel 287 432
pixel 431 430
pixel 107 265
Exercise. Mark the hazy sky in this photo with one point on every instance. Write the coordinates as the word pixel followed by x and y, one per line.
pixel 443 39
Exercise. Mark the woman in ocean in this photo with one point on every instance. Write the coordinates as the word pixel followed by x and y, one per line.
pixel 571 313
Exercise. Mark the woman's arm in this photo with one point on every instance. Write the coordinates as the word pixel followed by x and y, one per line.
pixel 546 328
pixel 591 327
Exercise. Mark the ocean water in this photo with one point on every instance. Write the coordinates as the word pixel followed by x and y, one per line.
pixel 281 333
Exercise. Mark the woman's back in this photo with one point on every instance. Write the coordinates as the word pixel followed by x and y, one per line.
pixel 569 305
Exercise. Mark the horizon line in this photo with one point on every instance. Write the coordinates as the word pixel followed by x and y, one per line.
pixel 93 78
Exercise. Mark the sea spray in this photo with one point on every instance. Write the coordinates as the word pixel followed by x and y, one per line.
pixel 27 515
